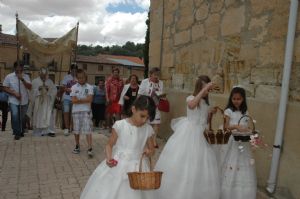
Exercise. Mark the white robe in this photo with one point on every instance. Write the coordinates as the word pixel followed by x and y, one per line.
pixel 41 106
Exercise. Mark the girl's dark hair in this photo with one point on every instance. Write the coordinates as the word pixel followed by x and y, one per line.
pixel 202 79
pixel 242 92
pixel 145 103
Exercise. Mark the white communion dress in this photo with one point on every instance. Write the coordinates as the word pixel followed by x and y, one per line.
pixel 238 169
pixel 113 183
pixel 188 161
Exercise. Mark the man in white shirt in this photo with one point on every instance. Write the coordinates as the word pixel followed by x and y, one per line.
pixel 17 84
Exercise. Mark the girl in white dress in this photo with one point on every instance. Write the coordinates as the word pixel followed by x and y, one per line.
pixel 187 160
pixel 238 170
pixel 131 137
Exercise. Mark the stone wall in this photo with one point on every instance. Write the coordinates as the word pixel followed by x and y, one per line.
pixel 265 113
pixel 233 41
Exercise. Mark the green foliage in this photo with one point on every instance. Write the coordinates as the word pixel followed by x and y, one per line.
pixel 146 47
pixel 128 49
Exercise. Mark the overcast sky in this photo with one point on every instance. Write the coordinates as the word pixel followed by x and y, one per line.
pixel 103 22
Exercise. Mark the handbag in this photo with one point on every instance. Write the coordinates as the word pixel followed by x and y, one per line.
pixel 164 105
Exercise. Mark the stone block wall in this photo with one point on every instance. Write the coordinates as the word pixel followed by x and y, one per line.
pixel 233 41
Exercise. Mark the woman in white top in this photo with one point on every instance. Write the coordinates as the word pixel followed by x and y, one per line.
pixel 150 87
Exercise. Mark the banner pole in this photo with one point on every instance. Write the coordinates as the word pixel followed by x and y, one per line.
pixel 17 36
pixel 75 56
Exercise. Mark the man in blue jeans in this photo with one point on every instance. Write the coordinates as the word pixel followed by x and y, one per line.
pixel 17 84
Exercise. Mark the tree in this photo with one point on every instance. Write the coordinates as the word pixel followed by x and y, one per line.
pixel 146 47
pixel 129 49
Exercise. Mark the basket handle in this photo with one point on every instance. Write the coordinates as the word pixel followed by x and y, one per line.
pixel 248 116
pixel 210 118
pixel 141 162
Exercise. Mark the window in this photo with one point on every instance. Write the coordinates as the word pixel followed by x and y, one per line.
pixel 26 58
pixel 100 67
pixel 84 66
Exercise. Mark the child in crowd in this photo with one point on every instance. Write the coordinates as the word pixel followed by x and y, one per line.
pixel 82 97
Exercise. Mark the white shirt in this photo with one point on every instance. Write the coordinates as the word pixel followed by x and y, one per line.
pixel 147 87
pixel 68 82
pixel 125 89
pixel 11 81
pixel 81 92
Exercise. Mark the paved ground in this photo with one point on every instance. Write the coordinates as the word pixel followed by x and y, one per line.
pixel 45 168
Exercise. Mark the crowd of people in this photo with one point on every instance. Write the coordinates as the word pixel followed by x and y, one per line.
pixel 189 163
pixel 41 102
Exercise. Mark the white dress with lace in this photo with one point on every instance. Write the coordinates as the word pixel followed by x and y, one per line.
pixel 113 183
pixel 238 169
pixel 188 161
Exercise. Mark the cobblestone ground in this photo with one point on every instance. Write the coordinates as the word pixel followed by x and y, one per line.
pixel 46 168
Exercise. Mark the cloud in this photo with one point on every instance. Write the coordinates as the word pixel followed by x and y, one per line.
pixel 53 18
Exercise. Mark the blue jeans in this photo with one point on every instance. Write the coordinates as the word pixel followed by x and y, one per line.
pixel 16 122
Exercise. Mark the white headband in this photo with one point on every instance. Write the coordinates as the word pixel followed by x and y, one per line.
pixel 238 86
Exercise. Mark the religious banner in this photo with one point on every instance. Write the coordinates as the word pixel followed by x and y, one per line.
pixel 42 50
pixel 33 41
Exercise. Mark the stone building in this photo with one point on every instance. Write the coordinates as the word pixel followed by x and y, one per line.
pixel 235 42
pixel 100 66
pixel 8 51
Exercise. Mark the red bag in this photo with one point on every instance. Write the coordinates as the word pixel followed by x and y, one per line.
pixel 164 105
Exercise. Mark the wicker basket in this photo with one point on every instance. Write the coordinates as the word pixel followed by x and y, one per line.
pixel 251 130
pixel 145 180
pixel 220 136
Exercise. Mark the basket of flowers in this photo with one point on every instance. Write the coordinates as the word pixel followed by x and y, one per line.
pixel 142 180
pixel 219 136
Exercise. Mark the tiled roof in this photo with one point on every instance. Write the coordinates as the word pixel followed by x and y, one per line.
pixel 8 39
pixel 112 59
pixel 94 59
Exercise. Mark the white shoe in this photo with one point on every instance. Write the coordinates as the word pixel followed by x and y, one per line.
pixel 66 132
